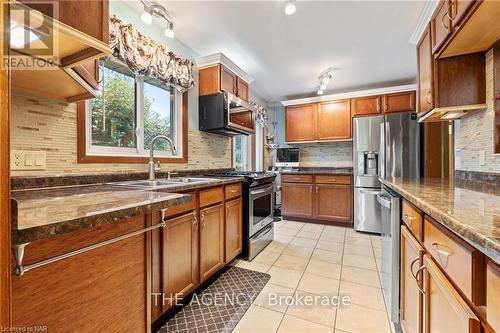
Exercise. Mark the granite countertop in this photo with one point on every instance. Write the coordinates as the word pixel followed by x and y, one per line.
pixel 44 213
pixel 319 171
pixel 472 215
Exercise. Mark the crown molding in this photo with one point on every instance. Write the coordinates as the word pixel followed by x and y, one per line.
pixel 220 58
pixel 359 93
pixel 424 18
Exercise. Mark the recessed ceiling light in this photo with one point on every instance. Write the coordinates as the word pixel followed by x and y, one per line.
pixel 290 7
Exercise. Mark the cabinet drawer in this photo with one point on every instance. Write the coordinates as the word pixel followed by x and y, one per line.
pixel 460 261
pixel 211 196
pixel 233 191
pixel 493 296
pixel 296 178
pixel 185 207
pixel 326 179
pixel 412 218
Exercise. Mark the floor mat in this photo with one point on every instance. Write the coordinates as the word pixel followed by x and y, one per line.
pixel 220 306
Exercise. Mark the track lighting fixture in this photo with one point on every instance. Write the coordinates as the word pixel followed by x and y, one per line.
pixel 151 10
pixel 290 7
pixel 324 78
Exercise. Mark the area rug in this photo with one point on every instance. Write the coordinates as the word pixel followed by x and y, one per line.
pixel 220 306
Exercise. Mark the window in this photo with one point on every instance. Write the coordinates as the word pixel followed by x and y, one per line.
pixel 128 113
pixel 242 150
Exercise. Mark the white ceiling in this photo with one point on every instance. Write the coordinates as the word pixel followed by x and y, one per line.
pixel 366 40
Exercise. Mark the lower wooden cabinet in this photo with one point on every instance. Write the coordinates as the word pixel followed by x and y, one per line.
pixel 333 203
pixel 493 296
pixel 444 308
pixel 411 297
pixel 211 240
pixel 297 200
pixel 233 229
pixel 180 257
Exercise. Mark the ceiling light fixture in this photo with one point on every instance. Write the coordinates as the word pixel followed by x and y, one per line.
pixel 324 78
pixel 290 7
pixel 151 10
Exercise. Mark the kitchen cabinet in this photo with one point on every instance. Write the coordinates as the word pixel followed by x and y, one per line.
pixel 325 198
pixel 180 257
pixel 218 78
pixel 458 10
pixel 300 122
pixel 399 102
pixel 413 218
pixel 233 229
pixel 410 284
pixel 493 295
pixel 368 105
pixel 334 120
pixel 297 200
pixel 425 71
pixel 211 240
pixel 444 309
pixel 440 24
pixel 104 289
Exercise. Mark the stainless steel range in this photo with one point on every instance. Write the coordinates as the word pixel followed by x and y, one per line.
pixel 258 209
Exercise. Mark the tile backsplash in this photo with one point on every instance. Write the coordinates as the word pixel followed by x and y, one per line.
pixel 41 124
pixel 331 154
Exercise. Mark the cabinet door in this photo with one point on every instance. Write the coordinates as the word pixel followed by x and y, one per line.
pixel 242 89
pixel 440 25
pixel 334 120
pixel 366 105
pixel 334 203
pixel 399 102
pixel 444 309
pixel 244 119
pixel 493 295
pixel 458 9
pixel 425 66
pixel 234 229
pixel 300 122
pixel 180 257
pixel 227 80
pixel 411 297
pixel 297 200
pixel 211 240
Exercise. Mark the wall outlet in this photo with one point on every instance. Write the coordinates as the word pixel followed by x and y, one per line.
pixel 27 160
pixel 482 157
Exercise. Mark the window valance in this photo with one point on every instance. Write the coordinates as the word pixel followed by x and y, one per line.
pixel 147 57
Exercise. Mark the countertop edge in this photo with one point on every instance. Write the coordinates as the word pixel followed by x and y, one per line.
pixel 489 248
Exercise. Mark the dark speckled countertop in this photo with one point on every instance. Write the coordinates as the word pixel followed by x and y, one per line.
pixel 473 216
pixel 44 213
pixel 319 171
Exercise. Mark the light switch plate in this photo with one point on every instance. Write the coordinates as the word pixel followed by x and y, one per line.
pixel 27 160
pixel 482 157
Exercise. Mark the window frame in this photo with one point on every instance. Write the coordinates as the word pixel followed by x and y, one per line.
pixel 95 154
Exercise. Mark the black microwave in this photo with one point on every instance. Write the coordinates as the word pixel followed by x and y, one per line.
pixel 287 157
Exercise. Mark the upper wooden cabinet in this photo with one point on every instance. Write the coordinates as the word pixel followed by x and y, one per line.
pixel 425 63
pixel 300 122
pixel 334 120
pixel 440 25
pixel 219 78
pixel 398 102
pixel 367 105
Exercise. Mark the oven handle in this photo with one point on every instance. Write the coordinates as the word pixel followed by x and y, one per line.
pixel 265 190
pixel 262 232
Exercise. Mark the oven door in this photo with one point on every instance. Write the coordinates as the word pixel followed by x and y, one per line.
pixel 261 207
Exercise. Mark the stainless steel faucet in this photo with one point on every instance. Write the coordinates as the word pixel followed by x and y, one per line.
pixel 151 163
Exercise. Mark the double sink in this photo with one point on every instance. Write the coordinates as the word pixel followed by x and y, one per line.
pixel 161 183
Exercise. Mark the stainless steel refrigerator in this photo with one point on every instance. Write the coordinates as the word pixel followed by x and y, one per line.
pixel 383 146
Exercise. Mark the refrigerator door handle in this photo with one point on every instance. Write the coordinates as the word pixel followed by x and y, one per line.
pixel 384 201
pixel 381 155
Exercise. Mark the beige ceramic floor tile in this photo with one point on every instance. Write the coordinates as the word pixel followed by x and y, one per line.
pixel 254 266
pixel 313 227
pixel 286 231
pixel 377 252
pixel 274 297
pixel 376 243
pixel 318 285
pixel 276 246
pixel 311 307
pixel 328 256
pixel 266 257
pixel 298 251
pixel 359 261
pixel 308 234
pixel 283 238
pixel 330 246
pixel 294 225
pixel 284 277
pixel 367 277
pixel 365 251
pixel 291 262
pixel 306 242
pixel 356 234
pixel 324 268
pixel 358 241
pixel 363 295
pixel 291 324
pixel 360 319
pixel 337 238
pixel 258 319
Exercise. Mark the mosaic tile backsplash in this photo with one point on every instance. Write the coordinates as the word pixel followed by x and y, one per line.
pixel 332 154
pixel 49 125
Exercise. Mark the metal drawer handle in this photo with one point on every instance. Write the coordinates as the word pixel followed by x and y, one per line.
pixel 435 247
pixel 296 178
pixel 408 219
pixel 195 221
pixel 421 269
pixel 442 21
pixel 411 267
pixel 234 191
pixel 202 220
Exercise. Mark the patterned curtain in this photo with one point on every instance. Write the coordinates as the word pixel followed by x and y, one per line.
pixel 146 57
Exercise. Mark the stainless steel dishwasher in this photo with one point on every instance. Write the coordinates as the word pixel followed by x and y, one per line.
pixel 389 273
